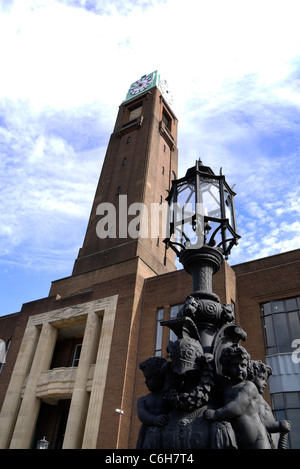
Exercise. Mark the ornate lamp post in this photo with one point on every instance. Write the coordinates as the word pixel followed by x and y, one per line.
pixel 201 224
pixel 202 391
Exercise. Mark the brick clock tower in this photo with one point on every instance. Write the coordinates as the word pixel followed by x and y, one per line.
pixel 140 162
pixel 74 355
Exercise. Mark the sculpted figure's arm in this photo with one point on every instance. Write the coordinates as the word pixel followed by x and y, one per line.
pixel 143 414
pixel 236 407
pixel 147 417
pixel 272 425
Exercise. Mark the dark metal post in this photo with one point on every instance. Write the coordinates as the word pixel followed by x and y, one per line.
pixel 202 264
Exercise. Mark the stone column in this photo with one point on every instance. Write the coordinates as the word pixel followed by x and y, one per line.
pixel 30 406
pixel 12 399
pixel 99 379
pixel 79 402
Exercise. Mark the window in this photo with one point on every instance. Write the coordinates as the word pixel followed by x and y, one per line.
pixel 281 325
pixel 167 119
pixel 172 336
pixel 76 355
pixel 173 313
pixel 124 161
pixel 159 332
pixel 132 119
pixel 166 129
pixel 3 352
pixel 286 406
pixel 174 310
pixel 135 112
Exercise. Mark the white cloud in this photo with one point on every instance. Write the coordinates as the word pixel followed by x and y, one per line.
pixel 66 66
pixel 64 54
pixel 47 190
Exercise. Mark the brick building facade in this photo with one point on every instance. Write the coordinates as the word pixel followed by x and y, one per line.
pixel 72 358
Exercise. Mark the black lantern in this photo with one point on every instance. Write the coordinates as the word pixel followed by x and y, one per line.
pixel 201 222
pixel 201 212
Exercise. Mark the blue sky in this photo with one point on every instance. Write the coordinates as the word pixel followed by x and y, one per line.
pixel 66 65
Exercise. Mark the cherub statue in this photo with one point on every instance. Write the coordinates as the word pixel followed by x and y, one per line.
pixel 241 401
pixel 259 374
pixel 152 409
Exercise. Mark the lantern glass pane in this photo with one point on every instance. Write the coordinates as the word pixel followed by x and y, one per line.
pixel 229 215
pixel 229 209
pixel 213 233
pixel 186 196
pixel 184 214
pixel 210 198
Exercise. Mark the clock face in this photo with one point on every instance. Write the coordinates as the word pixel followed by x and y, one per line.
pixel 140 85
pixel 166 91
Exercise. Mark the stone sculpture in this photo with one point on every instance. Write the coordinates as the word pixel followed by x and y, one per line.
pixel 208 394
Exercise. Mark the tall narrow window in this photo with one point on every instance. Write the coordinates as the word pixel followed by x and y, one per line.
pixel 173 314
pixel 3 352
pixel 167 119
pixel 76 355
pixel 159 332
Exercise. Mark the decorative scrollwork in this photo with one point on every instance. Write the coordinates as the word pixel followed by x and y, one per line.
pixel 200 310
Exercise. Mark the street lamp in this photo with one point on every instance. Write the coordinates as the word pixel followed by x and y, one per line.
pixel 201 224
pixel 203 359
pixel 42 444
